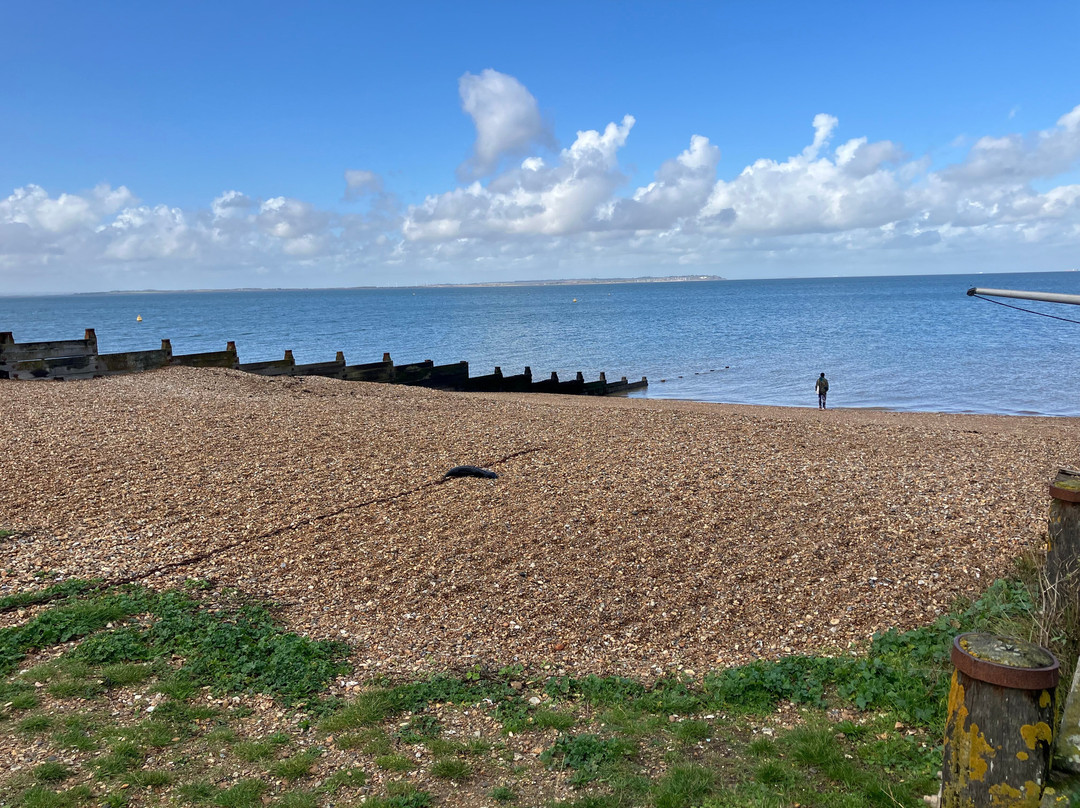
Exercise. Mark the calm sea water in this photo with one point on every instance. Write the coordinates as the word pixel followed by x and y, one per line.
pixel 902 343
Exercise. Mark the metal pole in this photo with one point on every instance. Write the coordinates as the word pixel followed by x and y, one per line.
pixel 1047 297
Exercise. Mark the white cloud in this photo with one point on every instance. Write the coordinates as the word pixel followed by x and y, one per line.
pixel 681 188
pixel 1015 158
pixel 231 205
pixel 144 234
pixel 31 205
pixel 359 182
pixel 575 211
pixel 506 117
pixel 531 199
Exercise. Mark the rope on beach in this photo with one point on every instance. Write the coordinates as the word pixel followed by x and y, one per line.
pixel 277 531
pixel 1029 311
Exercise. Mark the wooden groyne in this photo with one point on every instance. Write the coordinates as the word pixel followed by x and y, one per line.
pixel 79 359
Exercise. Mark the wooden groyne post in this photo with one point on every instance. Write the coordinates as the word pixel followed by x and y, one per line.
pixel 1061 596
pixel 1062 579
pixel 1000 729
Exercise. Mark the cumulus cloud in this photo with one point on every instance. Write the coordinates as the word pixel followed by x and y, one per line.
pixel 860 194
pixel 532 198
pixel 359 183
pixel 681 188
pixel 33 206
pixel 507 120
pixel 1015 158
pixel 575 209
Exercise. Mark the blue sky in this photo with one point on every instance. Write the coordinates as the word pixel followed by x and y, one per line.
pixel 220 145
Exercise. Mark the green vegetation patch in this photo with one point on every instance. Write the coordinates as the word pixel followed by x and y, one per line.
pixel 42 797
pixel 245 794
pixel 400 795
pixel 587 754
pixel 231 649
pixel 684 787
pixel 451 769
pixel 51 772
pixel 295 767
pixel 65 589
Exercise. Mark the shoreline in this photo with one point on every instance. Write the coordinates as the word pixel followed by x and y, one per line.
pixel 623 535
pixel 868 408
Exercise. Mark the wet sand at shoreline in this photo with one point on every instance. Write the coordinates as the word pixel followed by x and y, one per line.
pixel 623 535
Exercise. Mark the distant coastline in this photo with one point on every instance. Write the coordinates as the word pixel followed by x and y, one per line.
pixel 575 282
pixel 489 284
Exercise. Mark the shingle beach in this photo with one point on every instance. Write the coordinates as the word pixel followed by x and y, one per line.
pixel 625 536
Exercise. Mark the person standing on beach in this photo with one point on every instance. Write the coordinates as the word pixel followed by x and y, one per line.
pixel 822 390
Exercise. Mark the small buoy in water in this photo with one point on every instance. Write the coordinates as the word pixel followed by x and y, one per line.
pixel 138 318
pixel 575 300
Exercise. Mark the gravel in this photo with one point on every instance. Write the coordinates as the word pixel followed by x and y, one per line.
pixel 625 536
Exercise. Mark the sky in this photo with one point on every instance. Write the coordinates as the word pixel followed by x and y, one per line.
pixel 213 145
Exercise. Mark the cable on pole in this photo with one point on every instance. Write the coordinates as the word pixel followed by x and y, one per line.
pixel 1029 311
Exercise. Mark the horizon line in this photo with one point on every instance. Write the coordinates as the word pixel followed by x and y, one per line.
pixel 689 278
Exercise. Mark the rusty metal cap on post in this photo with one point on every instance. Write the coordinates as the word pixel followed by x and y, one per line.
pixel 1005 661
pixel 1065 490
pixel 1066 485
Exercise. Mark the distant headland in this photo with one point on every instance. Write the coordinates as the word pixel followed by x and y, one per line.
pixel 580 281
pixel 557 282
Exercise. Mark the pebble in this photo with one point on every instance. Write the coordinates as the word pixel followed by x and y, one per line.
pixel 657 536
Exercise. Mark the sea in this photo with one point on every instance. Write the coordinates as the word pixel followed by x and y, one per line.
pixel 906 343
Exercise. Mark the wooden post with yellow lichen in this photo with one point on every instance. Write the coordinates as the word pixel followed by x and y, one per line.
pixel 1000 729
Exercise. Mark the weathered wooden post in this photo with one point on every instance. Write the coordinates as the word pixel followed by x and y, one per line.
pixel 1000 729
pixel 1067 754
pixel 1063 532
pixel 1061 596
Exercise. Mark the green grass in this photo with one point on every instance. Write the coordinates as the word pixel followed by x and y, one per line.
pixel 684 787
pixel 35 724
pixel 51 772
pixel 395 763
pixel 122 757
pixel 221 736
pixel 65 589
pixel 553 719
pixel 451 769
pixel 691 731
pixel 42 797
pixel 419 729
pixel 761 747
pixel 252 751
pixel 125 674
pixel 400 795
pixel 198 792
pixel 17 695
pixel 587 754
pixel 74 738
pixel 151 778
pixel 42 672
pixel 344 778
pixel 774 773
pixel 295 767
pixel 367 709
pixel 69 689
pixel 237 648
pixel 245 794
pixel 612 734
pixel 297 799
